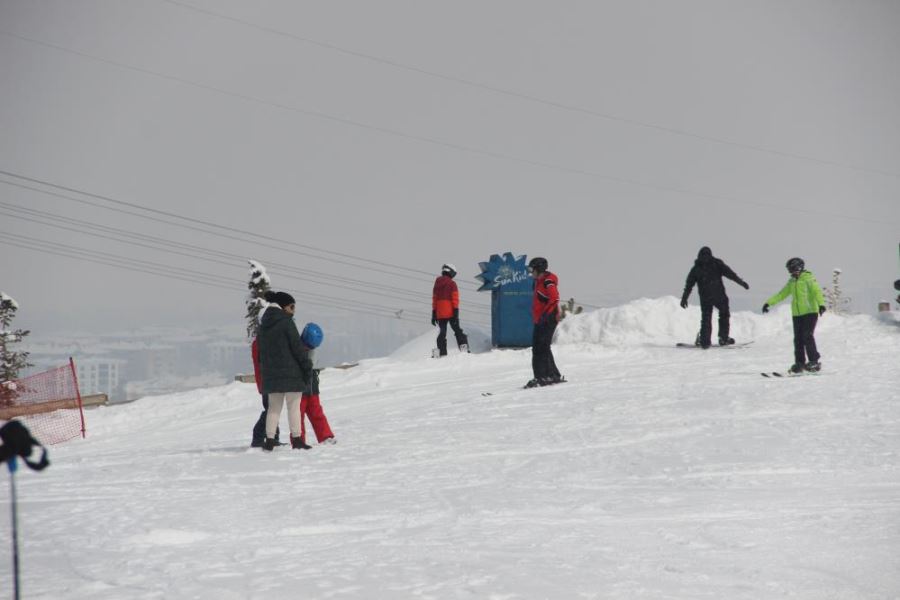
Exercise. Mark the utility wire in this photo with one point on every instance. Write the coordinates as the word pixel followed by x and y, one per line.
pixel 436 142
pixel 177 272
pixel 164 245
pixel 528 97
pixel 257 239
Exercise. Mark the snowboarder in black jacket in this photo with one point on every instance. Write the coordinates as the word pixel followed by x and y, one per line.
pixel 707 273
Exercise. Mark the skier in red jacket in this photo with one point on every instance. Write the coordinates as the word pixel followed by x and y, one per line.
pixel 545 314
pixel 445 309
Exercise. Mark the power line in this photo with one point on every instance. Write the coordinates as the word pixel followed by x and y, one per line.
pixel 437 142
pixel 257 239
pixel 213 225
pixel 132 268
pixel 528 97
pixel 164 245
pixel 177 272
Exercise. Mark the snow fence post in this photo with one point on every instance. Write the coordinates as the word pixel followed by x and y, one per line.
pixel 13 465
pixel 78 395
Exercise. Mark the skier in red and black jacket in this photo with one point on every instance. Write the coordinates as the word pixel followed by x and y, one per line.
pixel 545 314
pixel 445 309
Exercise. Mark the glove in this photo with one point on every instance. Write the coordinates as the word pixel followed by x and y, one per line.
pixel 456 314
pixel 821 310
pixel 684 303
pixel 744 284
pixel 765 308
pixel 17 441
pixel 434 317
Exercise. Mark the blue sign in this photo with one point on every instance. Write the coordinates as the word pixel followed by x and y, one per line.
pixel 512 289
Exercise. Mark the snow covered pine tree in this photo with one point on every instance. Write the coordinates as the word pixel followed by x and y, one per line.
pixel 11 363
pixel 258 285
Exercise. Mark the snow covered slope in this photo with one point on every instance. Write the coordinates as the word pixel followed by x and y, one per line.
pixel 654 473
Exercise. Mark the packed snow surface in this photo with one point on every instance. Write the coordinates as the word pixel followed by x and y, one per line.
pixel 655 472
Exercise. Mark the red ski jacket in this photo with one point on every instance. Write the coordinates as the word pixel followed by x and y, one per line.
pixel 445 297
pixel 254 351
pixel 545 304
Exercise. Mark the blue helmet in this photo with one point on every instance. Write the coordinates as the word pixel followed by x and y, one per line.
pixel 312 335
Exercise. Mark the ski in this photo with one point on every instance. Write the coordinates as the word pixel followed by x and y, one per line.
pixel 732 346
pixel 789 375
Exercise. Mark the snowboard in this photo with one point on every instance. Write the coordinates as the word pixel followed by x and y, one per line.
pixel 563 380
pixel 733 346
pixel 463 349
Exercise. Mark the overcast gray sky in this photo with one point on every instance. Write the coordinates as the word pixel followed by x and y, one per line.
pixel 613 137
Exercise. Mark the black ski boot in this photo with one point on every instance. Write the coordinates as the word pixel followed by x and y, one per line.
pixel 813 367
pixel 726 341
pixel 795 369
pixel 268 445
pixel 297 443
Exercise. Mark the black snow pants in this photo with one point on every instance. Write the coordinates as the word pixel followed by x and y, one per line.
pixel 259 429
pixel 542 362
pixel 706 308
pixel 461 337
pixel 804 342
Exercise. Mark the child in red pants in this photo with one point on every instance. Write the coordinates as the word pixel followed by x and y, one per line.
pixel 310 406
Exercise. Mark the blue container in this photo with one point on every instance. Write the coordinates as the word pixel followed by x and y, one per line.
pixel 512 289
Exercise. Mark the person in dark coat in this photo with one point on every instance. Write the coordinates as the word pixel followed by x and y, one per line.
pixel 259 428
pixel 707 273
pixel 285 365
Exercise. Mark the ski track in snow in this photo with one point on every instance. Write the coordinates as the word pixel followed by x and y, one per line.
pixel 652 473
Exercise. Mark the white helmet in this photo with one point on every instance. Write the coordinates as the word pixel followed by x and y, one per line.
pixel 448 269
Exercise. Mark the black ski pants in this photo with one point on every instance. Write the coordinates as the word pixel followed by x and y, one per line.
pixel 804 342
pixel 542 362
pixel 461 337
pixel 259 429
pixel 706 308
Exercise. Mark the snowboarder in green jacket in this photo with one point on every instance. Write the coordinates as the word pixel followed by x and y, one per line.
pixel 807 305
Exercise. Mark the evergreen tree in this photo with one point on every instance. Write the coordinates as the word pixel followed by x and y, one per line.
pixel 11 363
pixel 570 308
pixel 258 285
pixel 834 298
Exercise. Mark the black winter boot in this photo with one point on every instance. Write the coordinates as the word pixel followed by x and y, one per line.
pixel 726 341
pixel 268 445
pixel 297 443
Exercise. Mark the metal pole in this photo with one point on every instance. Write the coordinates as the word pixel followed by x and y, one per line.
pixel 78 395
pixel 13 465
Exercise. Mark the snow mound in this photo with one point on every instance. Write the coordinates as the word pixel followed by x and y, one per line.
pixel 657 321
pixel 421 347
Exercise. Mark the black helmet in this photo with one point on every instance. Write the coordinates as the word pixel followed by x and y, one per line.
pixel 795 265
pixel 449 270
pixel 538 264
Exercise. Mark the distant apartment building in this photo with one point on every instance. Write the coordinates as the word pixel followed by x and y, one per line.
pixel 100 376
pixel 229 357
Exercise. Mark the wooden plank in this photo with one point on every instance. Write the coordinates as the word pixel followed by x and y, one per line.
pixel 9 412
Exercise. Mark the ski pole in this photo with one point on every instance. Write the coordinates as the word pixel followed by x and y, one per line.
pixel 13 465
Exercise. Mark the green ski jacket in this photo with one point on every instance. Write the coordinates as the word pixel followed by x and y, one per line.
pixel 806 295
